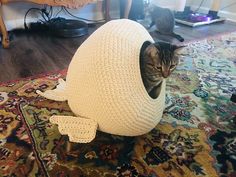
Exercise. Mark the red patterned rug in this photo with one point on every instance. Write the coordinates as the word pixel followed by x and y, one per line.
pixel 196 137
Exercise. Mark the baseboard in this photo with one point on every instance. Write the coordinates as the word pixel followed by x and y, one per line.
pixel 228 15
pixel 18 23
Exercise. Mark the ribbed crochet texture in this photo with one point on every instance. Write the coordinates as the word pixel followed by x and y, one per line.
pixel 104 85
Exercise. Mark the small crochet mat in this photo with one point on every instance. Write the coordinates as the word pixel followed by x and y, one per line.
pixel 80 130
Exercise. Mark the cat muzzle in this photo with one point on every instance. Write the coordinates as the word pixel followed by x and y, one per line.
pixel 165 74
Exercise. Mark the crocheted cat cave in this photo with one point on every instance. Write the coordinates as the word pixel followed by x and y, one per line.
pixel 104 88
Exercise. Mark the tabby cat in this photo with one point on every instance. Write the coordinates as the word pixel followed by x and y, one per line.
pixel 157 61
pixel 164 20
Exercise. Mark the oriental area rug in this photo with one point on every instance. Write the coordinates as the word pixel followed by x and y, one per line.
pixel 196 136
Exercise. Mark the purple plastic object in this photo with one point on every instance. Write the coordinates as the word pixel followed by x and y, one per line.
pixel 195 17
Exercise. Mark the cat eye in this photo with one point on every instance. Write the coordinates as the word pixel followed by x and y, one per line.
pixel 172 66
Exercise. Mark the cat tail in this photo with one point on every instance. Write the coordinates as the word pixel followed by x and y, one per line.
pixel 79 129
pixel 57 94
pixel 177 36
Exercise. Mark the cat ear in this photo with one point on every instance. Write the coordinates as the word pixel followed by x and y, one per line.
pixel 151 50
pixel 178 48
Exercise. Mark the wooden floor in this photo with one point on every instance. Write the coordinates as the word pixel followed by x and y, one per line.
pixel 34 53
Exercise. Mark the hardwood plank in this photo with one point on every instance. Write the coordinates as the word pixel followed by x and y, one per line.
pixel 35 53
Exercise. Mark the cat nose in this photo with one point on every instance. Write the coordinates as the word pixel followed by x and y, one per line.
pixel 165 74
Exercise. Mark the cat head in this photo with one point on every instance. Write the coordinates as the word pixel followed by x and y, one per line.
pixel 164 57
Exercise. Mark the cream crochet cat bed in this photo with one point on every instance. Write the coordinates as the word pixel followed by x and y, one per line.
pixel 104 87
